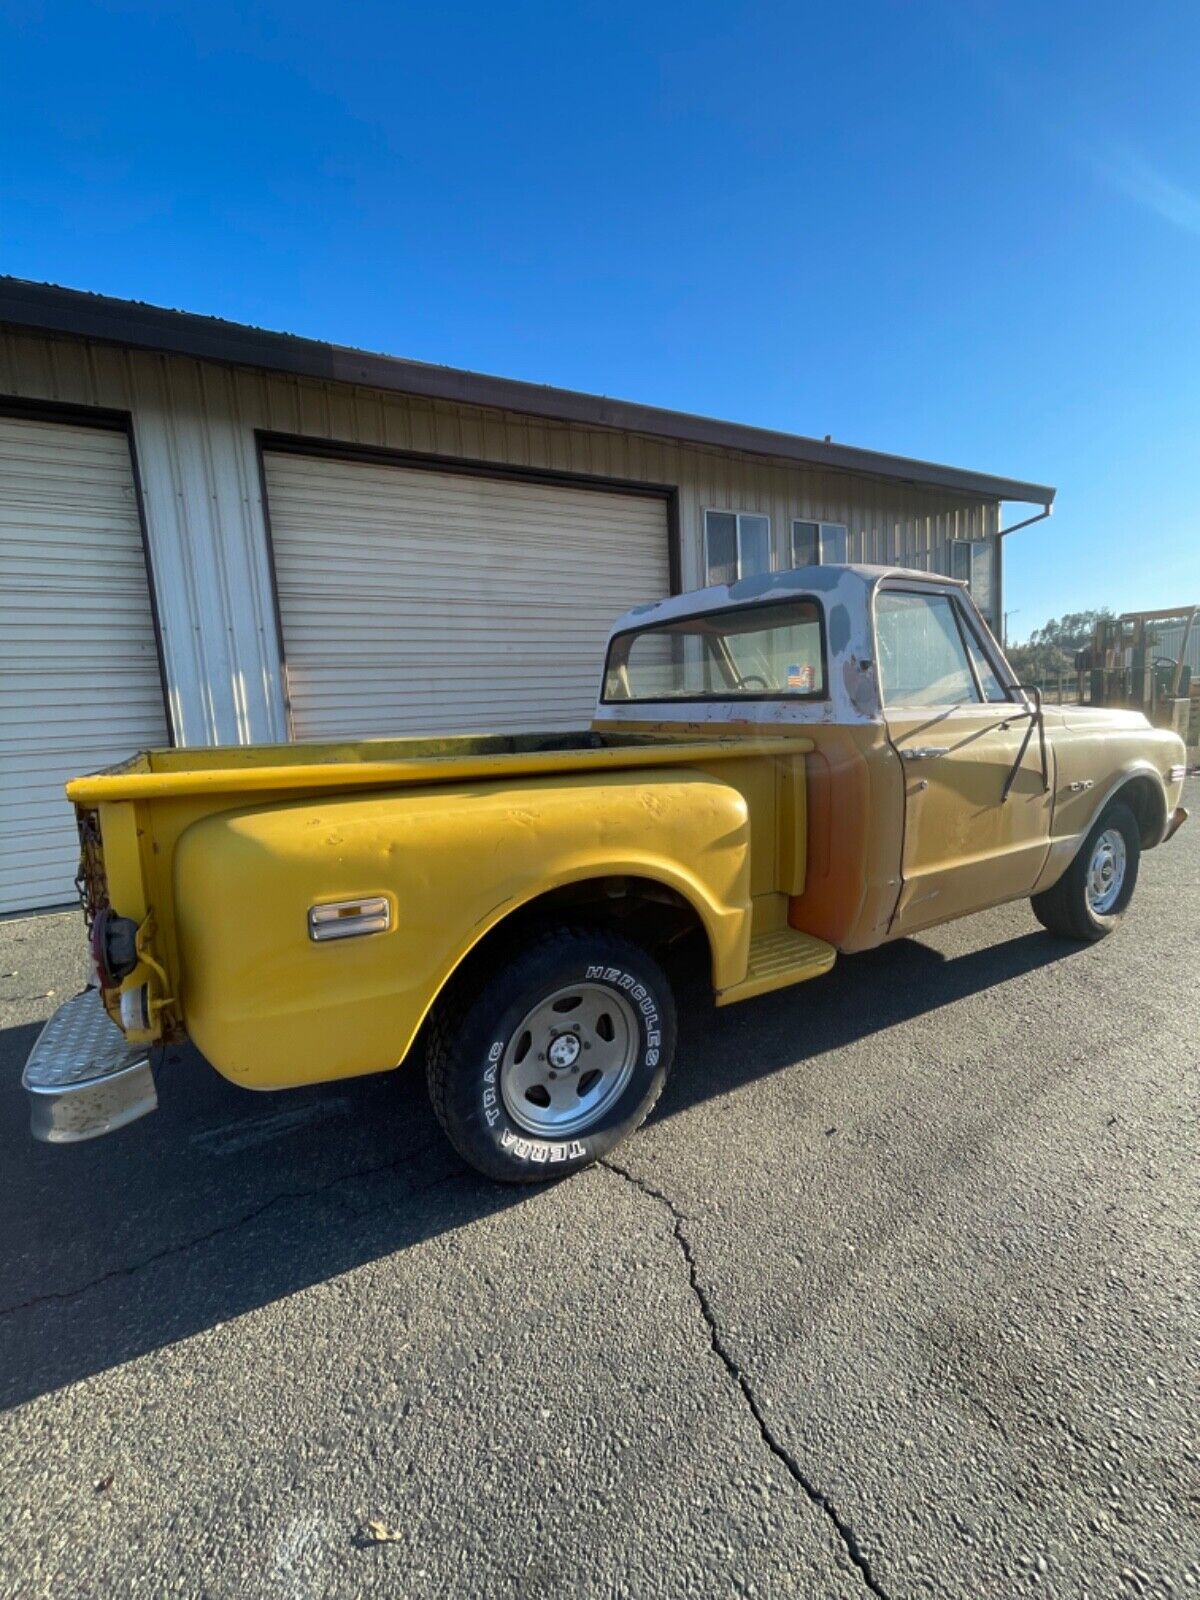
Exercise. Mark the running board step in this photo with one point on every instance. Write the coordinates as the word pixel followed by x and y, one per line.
pixel 778 958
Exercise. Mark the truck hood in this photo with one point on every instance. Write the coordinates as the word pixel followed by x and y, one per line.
pixel 1097 718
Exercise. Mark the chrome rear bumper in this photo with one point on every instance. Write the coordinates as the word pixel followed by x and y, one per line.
pixel 83 1077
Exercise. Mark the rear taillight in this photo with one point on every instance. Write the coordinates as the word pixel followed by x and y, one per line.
pixel 113 946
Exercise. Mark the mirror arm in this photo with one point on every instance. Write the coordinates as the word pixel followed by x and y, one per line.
pixel 1036 718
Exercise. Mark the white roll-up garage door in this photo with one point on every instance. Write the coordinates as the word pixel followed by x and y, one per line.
pixel 80 686
pixel 419 601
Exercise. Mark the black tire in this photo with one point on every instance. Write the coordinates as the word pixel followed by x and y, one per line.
pixel 1065 908
pixel 473 1035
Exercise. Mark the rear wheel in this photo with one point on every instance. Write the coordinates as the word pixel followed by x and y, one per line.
pixel 554 1057
pixel 1088 900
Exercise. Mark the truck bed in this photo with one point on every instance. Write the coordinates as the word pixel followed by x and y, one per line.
pixel 390 763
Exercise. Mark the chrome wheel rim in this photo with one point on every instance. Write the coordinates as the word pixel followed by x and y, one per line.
pixel 568 1059
pixel 1106 871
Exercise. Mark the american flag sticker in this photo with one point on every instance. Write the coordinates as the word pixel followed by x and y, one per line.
pixel 799 678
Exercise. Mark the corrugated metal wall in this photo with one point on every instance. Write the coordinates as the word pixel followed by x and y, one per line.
pixel 79 679
pixel 194 425
pixel 1169 640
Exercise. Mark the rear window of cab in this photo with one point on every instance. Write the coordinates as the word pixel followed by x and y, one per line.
pixel 760 652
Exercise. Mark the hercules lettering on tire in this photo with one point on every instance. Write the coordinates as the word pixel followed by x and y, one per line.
pixel 550 1061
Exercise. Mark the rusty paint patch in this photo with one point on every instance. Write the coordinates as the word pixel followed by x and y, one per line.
pixel 859 678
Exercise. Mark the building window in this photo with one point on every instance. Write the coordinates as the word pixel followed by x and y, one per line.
pixel 737 544
pixel 817 544
pixel 972 561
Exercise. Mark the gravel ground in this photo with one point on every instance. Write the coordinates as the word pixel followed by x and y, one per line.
pixel 896 1294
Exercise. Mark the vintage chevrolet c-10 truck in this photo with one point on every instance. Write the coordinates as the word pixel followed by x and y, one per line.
pixel 780 770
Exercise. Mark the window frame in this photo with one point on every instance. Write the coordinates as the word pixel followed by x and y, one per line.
pixel 966 546
pixel 788 696
pixel 1000 669
pixel 821 526
pixel 973 551
pixel 728 511
pixel 966 626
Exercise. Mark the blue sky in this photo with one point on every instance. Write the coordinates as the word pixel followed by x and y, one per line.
pixel 966 231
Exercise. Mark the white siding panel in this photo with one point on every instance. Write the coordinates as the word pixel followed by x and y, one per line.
pixel 80 686
pixel 416 601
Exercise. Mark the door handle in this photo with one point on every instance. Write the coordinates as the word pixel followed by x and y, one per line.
pixel 924 752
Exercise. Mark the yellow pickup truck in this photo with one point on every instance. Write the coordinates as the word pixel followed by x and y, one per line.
pixel 779 770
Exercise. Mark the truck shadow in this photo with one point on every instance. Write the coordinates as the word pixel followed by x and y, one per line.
pixel 864 994
pixel 223 1202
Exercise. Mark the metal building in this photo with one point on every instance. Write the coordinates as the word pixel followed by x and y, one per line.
pixel 214 534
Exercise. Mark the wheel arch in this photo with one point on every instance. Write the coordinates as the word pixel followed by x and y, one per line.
pixel 1140 787
pixel 611 900
pixel 1143 792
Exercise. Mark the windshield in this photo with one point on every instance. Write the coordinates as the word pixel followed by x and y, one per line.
pixel 753 653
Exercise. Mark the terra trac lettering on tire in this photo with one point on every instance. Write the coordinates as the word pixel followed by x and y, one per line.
pixel 540 1150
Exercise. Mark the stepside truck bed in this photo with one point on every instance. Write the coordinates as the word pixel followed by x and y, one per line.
pixel 277 769
pixel 248 873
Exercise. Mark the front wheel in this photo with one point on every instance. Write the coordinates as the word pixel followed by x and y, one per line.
pixel 557 1056
pixel 1088 900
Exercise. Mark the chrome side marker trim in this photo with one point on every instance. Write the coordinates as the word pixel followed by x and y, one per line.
pixel 348 919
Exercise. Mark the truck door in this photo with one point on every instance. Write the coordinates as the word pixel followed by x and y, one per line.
pixel 958 732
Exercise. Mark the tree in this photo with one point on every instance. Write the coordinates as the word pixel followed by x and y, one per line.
pixel 1051 648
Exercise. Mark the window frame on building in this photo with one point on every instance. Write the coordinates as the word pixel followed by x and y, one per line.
pixel 961 553
pixel 738 518
pixel 823 530
pixel 965 568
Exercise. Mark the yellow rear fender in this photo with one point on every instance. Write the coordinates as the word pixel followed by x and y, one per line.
pixel 431 872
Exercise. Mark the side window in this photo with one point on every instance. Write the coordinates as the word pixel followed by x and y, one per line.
pixel 993 689
pixel 922 658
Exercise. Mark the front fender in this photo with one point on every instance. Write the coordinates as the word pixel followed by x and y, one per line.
pixel 270 1008
pixel 1092 765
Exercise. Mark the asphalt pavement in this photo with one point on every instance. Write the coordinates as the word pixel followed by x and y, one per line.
pixel 896 1294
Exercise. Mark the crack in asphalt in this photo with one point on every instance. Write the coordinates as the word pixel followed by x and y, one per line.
pixel 286 1195
pixel 815 1495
